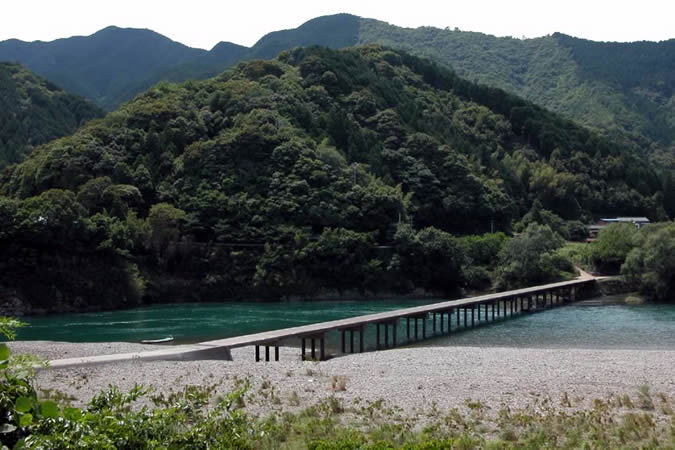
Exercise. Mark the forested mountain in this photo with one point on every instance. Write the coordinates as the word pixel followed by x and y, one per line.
pixel 623 89
pixel 626 90
pixel 290 176
pixel 33 111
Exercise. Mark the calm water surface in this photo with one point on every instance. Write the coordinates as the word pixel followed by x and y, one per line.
pixel 575 326
pixel 610 326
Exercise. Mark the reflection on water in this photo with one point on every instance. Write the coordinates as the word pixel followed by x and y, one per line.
pixel 611 326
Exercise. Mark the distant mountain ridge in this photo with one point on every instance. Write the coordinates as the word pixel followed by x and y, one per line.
pixel 103 65
pixel 623 89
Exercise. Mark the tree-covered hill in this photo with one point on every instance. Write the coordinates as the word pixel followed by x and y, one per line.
pixel 33 111
pixel 622 89
pixel 321 170
pixel 625 90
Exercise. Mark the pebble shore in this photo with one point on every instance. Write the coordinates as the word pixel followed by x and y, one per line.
pixel 413 379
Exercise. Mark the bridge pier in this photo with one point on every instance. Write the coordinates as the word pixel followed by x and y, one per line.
pixel 386 325
pixel 416 318
pixel 351 330
pixel 500 306
pixel 267 352
pixel 313 339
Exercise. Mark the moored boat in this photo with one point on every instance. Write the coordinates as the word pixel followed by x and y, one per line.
pixel 157 341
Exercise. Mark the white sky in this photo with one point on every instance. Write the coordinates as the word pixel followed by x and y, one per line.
pixel 203 23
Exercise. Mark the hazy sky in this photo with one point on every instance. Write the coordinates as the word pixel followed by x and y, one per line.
pixel 203 23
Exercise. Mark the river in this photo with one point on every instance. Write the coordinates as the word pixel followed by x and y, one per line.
pixel 573 326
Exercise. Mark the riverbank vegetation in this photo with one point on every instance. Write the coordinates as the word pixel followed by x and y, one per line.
pixel 532 258
pixel 644 257
pixel 320 171
pixel 650 264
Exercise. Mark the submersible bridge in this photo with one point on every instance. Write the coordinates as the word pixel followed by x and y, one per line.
pixel 421 322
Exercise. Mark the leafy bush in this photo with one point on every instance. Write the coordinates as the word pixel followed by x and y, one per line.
pixel 581 254
pixel 432 258
pixel 614 243
pixel 530 258
pixel 576 230
pixel 18 399
pixel 112 419
pixel 484 249
pixel 477 277
pixel 650 265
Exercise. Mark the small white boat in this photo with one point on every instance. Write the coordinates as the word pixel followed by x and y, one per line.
pixel 157 341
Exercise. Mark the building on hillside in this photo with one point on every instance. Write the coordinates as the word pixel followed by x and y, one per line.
pixel 594 229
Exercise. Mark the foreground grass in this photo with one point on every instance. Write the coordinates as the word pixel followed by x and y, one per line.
pixel 192 418
pixel 618 422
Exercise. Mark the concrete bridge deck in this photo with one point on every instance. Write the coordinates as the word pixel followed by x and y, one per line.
pixel 553 294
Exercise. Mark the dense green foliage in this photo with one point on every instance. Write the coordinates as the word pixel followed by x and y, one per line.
pixel 623 89
pixel 291 176
pixel 33 111
pixel 573 230
pixel 531 258
pixel 614 243
pixel 650 265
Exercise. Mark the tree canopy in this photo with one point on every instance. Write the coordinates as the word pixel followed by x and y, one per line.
pixel 287 177
pixel 34 111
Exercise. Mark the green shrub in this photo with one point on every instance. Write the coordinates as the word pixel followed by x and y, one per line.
pixel 578 253
pixel 484 249
pixel 613 245
pixel 650 265
pixel 477 277
pixel 529 258
pixel 576 230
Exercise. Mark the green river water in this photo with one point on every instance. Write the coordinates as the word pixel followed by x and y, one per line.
pixel 573 326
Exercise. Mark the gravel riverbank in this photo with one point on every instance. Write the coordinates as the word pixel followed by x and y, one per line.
pixel 414 379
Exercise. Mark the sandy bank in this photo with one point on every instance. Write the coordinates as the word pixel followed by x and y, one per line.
pixel 413 379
